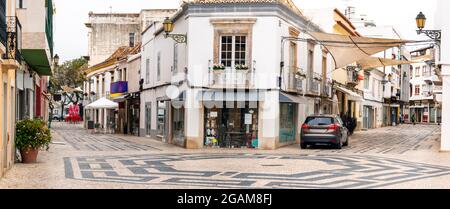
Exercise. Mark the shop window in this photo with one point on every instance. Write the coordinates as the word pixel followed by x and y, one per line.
pixel 178 126
pixel 231 127
pixel 148 119
pixel 287 122
pixel 161 119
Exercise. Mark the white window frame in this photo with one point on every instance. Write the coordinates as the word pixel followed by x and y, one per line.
pixel 233 49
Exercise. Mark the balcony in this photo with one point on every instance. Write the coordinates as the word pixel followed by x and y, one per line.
pixel 437 89
pixel 13 39
pixel 327 90
pixel 427 94
pixel 352 78
pixel 231 78
pixel 3 36
pixel 295 80
pixel 37 46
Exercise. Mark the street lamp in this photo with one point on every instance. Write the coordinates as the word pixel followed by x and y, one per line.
pixel 433 34
pixel 168 28
pixel 56 60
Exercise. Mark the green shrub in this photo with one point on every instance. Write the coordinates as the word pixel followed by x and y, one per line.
pixel 32 134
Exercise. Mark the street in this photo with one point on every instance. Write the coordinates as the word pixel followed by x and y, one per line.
pixel 405 156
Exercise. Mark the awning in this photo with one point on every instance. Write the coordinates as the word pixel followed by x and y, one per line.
pixel 374 62
pixel 103 103
pixel 288 98
pixel 229 96
pixel 39 60
pixel 120 98
pixel 351 95
pixel 346 50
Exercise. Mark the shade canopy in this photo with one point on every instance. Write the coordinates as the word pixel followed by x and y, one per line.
pixel 103 103
pixel 351 95
pixel 374 62
pixel 346 50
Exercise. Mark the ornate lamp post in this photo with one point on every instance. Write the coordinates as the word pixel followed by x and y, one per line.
pixel 433 34
pixel 51 89
pixel 168 28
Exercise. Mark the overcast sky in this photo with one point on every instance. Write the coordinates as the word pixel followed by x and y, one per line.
pixel 71 34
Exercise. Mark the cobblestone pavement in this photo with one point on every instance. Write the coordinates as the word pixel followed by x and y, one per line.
pixel 394 157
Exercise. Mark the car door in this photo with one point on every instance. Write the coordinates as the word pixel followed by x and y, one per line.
pixel 344 130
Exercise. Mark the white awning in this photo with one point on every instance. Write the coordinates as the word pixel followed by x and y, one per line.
pixel 103 103
pixel 346 50
pixel 374 62
pixel 351 95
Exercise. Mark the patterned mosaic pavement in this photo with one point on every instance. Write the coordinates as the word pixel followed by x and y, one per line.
pixel 394 157
pixel 347 172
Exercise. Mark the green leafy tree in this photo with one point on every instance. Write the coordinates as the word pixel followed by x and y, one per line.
pixel 70 74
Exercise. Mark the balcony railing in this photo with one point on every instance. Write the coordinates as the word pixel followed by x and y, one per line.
pixel 295 79
pixel 14 39
pixel 315 86
pixel 231 78
pixel 3 35
pixel 327 90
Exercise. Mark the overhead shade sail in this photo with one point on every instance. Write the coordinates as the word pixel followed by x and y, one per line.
pixel 346 50
pixel 374 62
pixel 351 95
pixel 103 103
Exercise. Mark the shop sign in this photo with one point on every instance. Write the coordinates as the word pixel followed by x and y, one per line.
pixel 213 114
pixel 248 119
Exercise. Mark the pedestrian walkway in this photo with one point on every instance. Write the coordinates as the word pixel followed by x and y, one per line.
pixel 81 159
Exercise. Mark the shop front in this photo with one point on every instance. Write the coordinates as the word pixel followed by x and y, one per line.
pixel 231 127
pixel 133 103
pixel 230 118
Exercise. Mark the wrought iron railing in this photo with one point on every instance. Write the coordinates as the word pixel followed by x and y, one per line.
pixel 14 39
pixel 3 36
pixel 295 79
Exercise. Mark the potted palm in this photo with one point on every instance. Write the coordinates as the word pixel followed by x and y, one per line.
pixel 32 136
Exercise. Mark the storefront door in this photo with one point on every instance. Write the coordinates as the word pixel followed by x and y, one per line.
pixel 287 122
pixel 178 126
pixel 231 127
pixel 148 117
pixel 162 114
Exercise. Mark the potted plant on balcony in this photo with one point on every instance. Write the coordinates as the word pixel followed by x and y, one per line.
pixel 218 67
pixel 31 136
pixel 241 67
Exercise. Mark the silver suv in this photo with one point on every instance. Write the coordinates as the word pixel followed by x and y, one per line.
pixel 324 129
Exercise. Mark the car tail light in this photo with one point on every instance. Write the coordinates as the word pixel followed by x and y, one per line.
pixel 305 126
pixel 333 127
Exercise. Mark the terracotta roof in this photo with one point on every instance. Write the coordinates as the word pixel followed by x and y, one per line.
pixel 287 3
pixel 120 53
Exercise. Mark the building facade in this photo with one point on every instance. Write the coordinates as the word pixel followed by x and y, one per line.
pixel 394 85
pixel 109 31
pixel 222 88
pixel 26 64
pixel 347 86
pixel 425 84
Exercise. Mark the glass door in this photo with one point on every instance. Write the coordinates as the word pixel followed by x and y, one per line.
pixel 148 117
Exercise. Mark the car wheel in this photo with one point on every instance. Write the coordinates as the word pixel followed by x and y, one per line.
pixel 339 145
pixel 303 146
pixel 346 142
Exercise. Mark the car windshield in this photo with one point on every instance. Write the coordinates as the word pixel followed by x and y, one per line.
pixel 319 121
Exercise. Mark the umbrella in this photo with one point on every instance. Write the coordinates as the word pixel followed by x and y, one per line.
pixel 103 103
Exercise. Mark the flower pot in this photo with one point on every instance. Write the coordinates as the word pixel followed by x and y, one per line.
pixel 29 155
